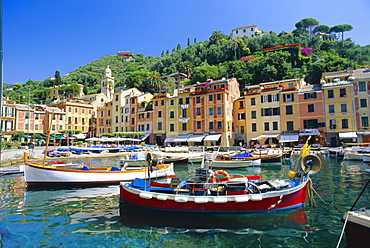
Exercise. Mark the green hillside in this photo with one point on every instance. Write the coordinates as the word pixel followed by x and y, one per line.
pixel 219 56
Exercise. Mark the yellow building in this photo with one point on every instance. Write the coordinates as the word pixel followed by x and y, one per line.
pixel 78 114
pixel 339 108
pixel 289 106
pixel 361 88
pixel 120 108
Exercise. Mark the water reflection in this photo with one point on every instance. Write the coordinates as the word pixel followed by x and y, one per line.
pixel 92 217
pixel 294 221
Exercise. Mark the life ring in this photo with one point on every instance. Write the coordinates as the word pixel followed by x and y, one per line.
pixel 220 172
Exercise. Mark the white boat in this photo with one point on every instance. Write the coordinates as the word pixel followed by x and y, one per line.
pixel 356 152
pixel 235 161
pixel 39 175
pixel 136 159
pixel 357 225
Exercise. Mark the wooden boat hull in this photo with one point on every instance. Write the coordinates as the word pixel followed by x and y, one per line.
pixel 39 175
pixel 243 203
pixel 358 228
pixel 218 163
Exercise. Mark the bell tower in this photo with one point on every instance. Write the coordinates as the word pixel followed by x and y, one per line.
pixel 107 83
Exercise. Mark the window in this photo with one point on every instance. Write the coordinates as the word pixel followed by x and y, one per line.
pixel 89 111
pixel 83 120
pixel 218 97
pixel 76 120
pixel 365 121
pixel 362 86
pixel 187 100
pixel 69 109
pixel 310 123
pixel 37 127
pixel 219 125
pixel 275 125
pixel 132 121
pixel 267 126
pixel 253 101
pixel 330 93
pixel 184 113
pixel 172 114
pixel 210 111
pixel 210 98
pixel 310 95
pixel 344 123
pixel 289 109
pixel 342 92
pixel 197 111
pixel 241 116
pixel 116 119
pixel 311 108
pixel 147 127
pixel 288 97
pixel 162 102
pixel 52 127
pixel 219 110
pixel 343 108
pixel 253 114
pixel 116 108
pixel 211 126
pixel 61 117
pixel 290 125
pixel 180 100
pixel 199 124
pixel 332 124
pixel 183 126
pixel 76 110
pixel 363 103
pixel 172 102
pixel 172 127
pixel 156 103
pixel 241 105
pixel 331 109
pixel 254 127
pixel 197 99
pixel 159 114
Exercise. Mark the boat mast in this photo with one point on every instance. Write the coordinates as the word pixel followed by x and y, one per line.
pixel 48 139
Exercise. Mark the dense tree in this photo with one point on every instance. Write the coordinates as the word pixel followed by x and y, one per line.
pixel 341 28
pixel 322 29
pixel 307 23
pixel 58 79
pixel 202 73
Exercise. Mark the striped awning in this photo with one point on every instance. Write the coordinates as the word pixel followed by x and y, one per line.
pixel 182 138
pixel 212 137
pixel 196 138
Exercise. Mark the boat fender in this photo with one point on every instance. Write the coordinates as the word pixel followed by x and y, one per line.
pixel 220 172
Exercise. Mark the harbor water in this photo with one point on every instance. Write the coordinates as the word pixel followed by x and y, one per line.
pixel 93 217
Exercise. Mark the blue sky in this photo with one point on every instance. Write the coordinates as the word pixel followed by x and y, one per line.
pixel 42 36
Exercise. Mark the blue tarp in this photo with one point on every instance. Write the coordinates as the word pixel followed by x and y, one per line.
pixel 241 155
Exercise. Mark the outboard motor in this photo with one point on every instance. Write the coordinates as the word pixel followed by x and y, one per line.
pixel 199 183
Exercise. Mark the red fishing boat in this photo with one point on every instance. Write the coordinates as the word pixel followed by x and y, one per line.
pixel 208 191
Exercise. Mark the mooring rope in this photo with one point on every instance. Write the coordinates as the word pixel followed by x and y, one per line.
pixel 344 226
